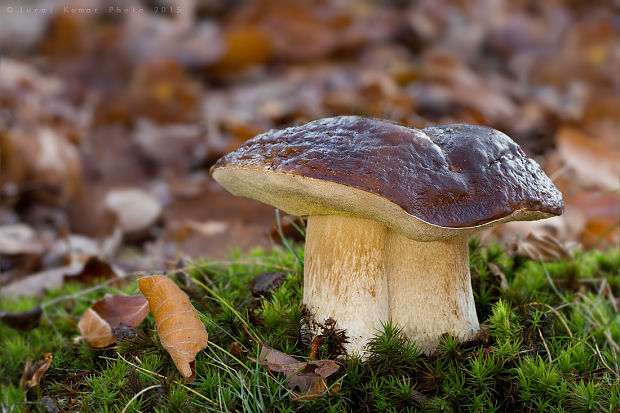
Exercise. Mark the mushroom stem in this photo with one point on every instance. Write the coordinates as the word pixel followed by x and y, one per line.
pixel 361 273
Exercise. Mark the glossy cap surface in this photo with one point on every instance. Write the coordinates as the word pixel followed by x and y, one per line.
pixel 427 184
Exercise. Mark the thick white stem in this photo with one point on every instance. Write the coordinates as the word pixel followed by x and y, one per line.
pixel 430 289
pixel 360 273
pixel 344 275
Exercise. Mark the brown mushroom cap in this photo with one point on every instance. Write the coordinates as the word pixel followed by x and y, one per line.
pixel 428 184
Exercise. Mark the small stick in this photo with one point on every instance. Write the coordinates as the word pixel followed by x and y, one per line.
pixel 138 395
pixel 558 315
pixel 603 361
pixel 545 344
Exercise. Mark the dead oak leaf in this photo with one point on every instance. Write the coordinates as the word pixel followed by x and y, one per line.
pixel 25 320
pixel 98 322
pixel 178 326
pixel 306 377
pixel 33 372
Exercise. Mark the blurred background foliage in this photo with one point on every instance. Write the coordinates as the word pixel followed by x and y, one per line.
pixel 111 113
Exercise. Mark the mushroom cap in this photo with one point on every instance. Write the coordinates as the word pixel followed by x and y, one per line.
pixel 429 184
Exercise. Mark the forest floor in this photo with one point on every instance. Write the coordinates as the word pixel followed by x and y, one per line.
pixel 549 342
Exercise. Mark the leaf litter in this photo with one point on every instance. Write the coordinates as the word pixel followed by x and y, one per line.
pixel 307 380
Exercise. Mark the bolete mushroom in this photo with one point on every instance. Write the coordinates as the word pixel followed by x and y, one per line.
pixel 390 210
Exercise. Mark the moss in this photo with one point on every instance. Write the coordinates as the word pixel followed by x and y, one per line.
pixel 552 345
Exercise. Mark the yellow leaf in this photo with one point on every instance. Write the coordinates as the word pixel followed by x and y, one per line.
pixel 179 329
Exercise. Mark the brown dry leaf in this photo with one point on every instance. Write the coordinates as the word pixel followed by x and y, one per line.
pixel 94 269
pixel 542 247
pixel 495 270
pixel 25 320
pixel 19 239
pixel 97 323
pixel 236 349
pixel 136 209
pixel 95 331
pixel 117 310
pixel 45 156
pixel 307 377
pixel 264 283
pixel 599 211
pixel 178 326
pixel 592 161
pixel 33 373
pixel 245 46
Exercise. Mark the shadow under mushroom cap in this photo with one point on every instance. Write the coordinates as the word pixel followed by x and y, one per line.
pixel 451 176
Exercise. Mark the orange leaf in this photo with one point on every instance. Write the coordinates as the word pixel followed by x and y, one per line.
pixel 179 329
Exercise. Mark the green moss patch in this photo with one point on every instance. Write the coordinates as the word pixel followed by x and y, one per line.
pixel 550 343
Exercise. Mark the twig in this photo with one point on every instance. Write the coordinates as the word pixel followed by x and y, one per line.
pixel 80 293
pixel 154 386
pixel 557 314
pixel 545 344
pixel 603 361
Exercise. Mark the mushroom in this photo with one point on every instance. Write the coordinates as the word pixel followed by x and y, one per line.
pixel 390 210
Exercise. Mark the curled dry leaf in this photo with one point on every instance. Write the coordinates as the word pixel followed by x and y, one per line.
pixel 98 322
pixel 307 377
pixel 25 320
pixel 34 372
pixel 236 349
pixel 542 247
pixel 178 326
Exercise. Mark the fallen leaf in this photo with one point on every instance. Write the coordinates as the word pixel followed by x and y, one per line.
pixel 244 47
pixel 307 377
pixel 113 311
pixel 95 331
pixel 26 320
pixel 178 326
pixel 264 283
pixel 236 350
pixel 19 239
pixel 541 247
pixel 94 269
pixel 136 209
pixel 496 271
pixel 593 162
pixel 599 210
pixel 127 310
pixel 33 373
pixel 39 282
